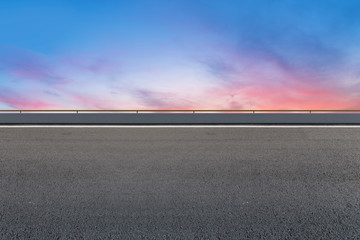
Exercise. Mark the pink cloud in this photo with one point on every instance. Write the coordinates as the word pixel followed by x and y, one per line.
pixel 267 82
pixel 19 101
pixel 289 94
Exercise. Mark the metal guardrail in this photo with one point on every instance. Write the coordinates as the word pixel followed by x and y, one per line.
pixel 182 111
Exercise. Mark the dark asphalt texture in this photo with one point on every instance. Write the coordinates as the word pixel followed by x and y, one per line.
pixel 179 183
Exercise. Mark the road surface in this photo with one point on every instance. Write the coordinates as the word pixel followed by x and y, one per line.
pixel 179 183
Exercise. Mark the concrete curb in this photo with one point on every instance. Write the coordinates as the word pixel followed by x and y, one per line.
pixel 179 118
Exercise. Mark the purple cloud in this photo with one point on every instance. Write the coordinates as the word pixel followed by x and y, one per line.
pixel 28 65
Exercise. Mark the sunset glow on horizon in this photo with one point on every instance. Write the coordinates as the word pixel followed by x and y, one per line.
pixel 180 54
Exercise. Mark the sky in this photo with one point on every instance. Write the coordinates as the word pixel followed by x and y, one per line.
pixel 180 54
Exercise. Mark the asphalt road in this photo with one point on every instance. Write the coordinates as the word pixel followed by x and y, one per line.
pixel 179 183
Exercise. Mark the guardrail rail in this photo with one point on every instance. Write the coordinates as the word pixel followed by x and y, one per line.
pixel 78 111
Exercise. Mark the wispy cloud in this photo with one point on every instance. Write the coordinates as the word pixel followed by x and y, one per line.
pixel 16 100
pixel 27 65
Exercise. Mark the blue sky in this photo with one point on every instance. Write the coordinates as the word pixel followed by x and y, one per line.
pixel 159 54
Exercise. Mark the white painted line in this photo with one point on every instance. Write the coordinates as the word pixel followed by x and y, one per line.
pixel 179 126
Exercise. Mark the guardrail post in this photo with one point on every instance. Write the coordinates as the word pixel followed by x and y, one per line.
pixel 194 111
pixel 20 111
pixel 253 111
pixel 310 111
